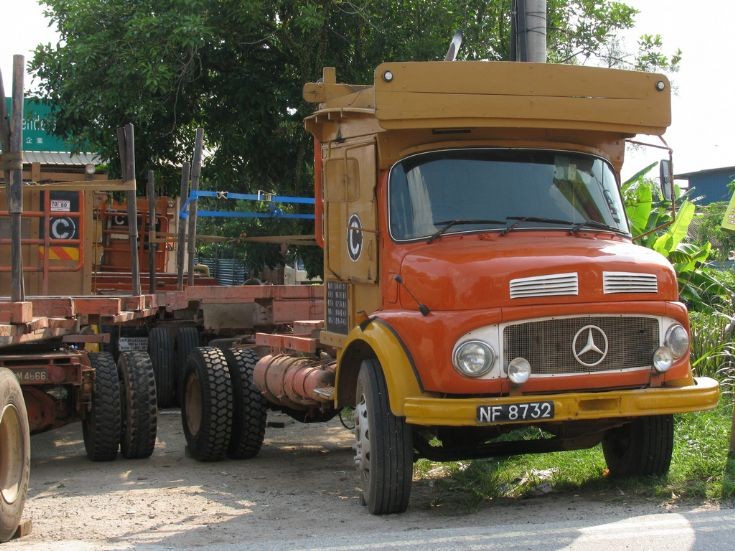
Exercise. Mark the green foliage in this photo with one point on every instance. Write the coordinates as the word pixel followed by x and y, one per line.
pixel 712 350
pixel 653 227
pixel 707 227
pixel 650 57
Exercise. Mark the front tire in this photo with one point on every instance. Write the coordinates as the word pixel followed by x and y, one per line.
pixel 139 411
pixel 383 451
pixel 642 447
pixel 206 405
pixel 15 454
pixel 101 425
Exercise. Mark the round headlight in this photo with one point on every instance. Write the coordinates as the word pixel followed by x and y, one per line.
pixel 474 358
pixel 519 370
pixel 662 359
pixel 677 339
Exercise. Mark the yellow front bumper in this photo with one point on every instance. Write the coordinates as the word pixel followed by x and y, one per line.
pixel 576 406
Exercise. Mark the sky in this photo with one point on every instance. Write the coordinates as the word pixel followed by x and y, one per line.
pixel 702 133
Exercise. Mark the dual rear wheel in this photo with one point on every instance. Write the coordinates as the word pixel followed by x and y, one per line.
pixel 223 413
pixel 124 412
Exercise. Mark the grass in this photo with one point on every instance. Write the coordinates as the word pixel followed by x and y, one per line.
pixel 700 471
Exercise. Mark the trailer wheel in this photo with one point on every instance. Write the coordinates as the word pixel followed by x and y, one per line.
pixel 187 339
pixel 641 447
pixel 101 426
pixel 206 405
pixel 384 450
pixel 163 357
pixel 15 454
pixel 249 408
pixel 138 400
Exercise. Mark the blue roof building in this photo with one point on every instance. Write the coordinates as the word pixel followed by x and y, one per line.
pixel 710 183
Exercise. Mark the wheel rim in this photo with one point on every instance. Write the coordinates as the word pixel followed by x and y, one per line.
pixel 193 401
pixel 11 453
pixel 362 440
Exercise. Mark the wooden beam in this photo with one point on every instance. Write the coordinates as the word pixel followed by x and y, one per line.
pixel 181 237
pixel 126 146
pixel 152 246
pixel 87 185
pixel 196 171
pixel 15 181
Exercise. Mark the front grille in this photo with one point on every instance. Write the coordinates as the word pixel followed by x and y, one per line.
pixel 547 344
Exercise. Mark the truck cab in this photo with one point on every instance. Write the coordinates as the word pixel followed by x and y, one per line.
pixel 480 274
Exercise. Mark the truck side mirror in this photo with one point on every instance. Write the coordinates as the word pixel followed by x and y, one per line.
pixel 667 179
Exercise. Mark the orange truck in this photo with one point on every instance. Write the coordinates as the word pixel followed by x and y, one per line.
pixel 480 277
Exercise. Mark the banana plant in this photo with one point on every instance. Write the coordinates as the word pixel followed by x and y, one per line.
pixel 650 218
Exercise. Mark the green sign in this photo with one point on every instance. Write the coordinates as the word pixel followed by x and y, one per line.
pixel 35 120
pixel 728 220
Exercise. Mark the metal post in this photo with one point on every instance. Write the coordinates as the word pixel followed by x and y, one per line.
pixel 4 124
pixel 536 30
pixel 196 171
pixel 181 240
pixel 152 242
pixel 528 31
pixel 126 147
pixel 519 49
pixel 15 193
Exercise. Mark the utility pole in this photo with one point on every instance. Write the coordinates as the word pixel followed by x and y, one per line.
pixel 528 31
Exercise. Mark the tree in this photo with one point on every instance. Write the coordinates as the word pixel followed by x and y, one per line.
pixel 237 67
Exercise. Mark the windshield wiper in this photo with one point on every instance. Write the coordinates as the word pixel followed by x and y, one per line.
pixel 594 224
pixel 446 224
pixel 520 219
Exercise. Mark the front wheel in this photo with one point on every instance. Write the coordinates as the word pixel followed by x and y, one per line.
pixel 383 450
pixel 15 454
pixel 641 447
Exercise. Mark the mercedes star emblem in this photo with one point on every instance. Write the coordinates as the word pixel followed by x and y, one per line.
pixel 590 342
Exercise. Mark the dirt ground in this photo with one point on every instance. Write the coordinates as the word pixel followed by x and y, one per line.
pixel 300 487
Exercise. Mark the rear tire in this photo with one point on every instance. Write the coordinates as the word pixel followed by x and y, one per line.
pixel 138 399
pixel 642 447
pixel 15 454
pixel 384 450
pixel 249 408
pixel 101 426
pixel 163 357
pixel 206 404
pixel 187 339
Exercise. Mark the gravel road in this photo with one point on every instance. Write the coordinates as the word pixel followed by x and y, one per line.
pixel 300 492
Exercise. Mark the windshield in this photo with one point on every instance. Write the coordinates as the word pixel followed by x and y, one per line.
pixel 475 188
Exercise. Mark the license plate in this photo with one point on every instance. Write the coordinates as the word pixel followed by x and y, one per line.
pixel 128 344
pixel 30 376
pixel 527 411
